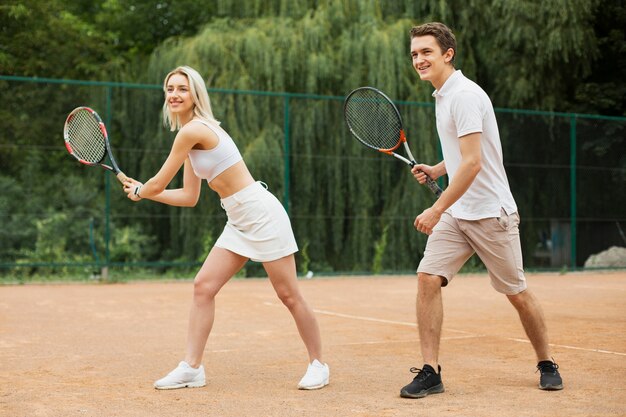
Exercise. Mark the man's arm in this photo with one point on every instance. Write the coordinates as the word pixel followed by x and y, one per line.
pixel 421 170
pixel 469 168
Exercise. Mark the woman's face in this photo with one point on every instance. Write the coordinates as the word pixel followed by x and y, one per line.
pixel 178 94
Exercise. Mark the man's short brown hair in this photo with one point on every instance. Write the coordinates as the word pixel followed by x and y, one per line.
pixel 442 34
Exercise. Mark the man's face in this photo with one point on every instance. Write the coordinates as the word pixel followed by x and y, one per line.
pixel 428 60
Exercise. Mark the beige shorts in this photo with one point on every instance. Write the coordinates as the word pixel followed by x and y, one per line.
pixel 495 240
pixel 258 226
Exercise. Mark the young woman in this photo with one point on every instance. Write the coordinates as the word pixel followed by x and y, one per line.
pixel 258 227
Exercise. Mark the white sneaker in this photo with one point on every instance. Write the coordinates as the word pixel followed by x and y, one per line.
pixel 181 377
pixel 317 376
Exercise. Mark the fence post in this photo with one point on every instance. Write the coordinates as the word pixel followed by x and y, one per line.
pixel 107 193
pixel 572 135
pixel 286 123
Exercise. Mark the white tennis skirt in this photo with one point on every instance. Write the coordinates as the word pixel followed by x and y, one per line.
pixel 258 226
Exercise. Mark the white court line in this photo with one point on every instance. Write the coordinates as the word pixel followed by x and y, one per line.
pixel 469 334
pixel 387 342
pixel 570 347
pixel 401 323
pixel 349 316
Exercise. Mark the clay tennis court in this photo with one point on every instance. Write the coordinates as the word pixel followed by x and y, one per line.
pixel 95 349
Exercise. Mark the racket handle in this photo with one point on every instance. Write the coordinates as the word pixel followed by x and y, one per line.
pixel 430 183
pixel 121 177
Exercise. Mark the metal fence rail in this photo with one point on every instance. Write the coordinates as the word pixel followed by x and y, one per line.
pixel 571 198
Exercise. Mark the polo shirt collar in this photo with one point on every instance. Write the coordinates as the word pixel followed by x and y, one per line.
pixel 452 80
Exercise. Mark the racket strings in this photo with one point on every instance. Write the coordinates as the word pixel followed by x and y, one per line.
pixel 85 137
pixel 373 119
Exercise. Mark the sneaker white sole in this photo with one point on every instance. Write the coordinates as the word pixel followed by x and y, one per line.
pixel 196 384
pixel 311 387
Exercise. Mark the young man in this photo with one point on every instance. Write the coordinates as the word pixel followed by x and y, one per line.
pixel 475 214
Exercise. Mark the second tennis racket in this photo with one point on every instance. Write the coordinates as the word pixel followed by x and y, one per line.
pixel 375 121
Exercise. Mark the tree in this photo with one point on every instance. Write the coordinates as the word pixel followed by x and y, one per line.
pixel 46 39
pixel 548 56
pixel 603 90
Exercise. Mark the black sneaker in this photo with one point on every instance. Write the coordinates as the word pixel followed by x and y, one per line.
pixel 550 378
pixel 426 382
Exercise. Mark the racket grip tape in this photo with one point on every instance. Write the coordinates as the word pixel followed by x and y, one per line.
pixel 121 177
pixel 430 183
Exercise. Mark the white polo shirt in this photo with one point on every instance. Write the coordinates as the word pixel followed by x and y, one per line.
pixel 462 108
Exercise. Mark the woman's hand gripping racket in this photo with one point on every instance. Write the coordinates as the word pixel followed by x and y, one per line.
pixel 86 139
pixel 375 121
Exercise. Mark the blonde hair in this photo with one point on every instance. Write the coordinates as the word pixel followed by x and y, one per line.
pixel 200 96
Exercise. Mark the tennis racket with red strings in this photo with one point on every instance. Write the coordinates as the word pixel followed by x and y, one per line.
pixel 86 139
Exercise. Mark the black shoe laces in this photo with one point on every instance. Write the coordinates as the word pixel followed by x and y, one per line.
pixel 421 374
pixel 548 368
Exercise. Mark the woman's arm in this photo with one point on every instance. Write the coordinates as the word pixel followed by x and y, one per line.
pixel 182 197
pixel 154 188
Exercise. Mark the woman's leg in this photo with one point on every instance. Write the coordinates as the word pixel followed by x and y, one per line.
pixel 219 266
pixel 283 276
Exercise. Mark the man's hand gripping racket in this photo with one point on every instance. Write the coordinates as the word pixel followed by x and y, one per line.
pixel 375 121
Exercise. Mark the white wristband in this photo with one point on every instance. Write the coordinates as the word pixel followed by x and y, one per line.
pixel 136 191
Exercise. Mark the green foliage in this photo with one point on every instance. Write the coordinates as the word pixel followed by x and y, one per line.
pixel 53 240
pixel 15 230
pixel 536 51
pixel 353 210
pixel 207 244
pixel 44 38
pixel 305 264
pixel 379 251
pixel 129 245
pixel 603 90
pixel 135 27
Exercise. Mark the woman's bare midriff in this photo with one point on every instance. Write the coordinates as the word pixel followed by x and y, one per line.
pixel 235 178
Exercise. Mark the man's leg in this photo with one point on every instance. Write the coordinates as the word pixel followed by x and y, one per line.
pixel 429 321
pixel 446 251
pixel 429 316
pixel 531 315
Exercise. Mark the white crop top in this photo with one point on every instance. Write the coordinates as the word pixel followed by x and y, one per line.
pixel 209 163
